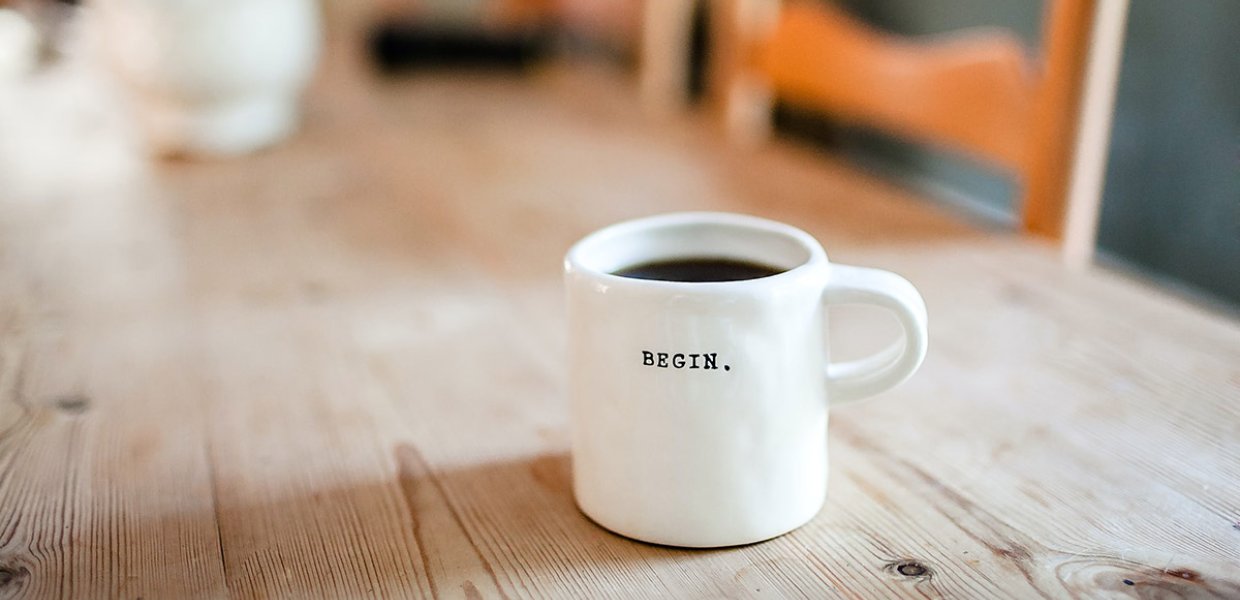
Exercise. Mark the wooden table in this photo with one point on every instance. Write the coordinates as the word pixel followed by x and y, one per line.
pixel 336 368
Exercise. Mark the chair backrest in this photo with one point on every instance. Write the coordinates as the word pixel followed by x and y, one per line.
pixel 976 91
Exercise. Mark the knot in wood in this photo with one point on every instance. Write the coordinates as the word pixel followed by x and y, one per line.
pixel 910 568
pixel 12 575
pixel 72 403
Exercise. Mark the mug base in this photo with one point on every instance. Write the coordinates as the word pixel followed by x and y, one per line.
pixel 228 128
pixel 685 541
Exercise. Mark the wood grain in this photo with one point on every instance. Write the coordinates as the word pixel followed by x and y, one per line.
pixel 334 369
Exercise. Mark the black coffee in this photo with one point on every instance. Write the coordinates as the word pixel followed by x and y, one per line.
pixel 699 270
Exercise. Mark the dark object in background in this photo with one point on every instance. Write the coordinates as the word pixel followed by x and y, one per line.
pixel 699 52
pixel 1171 206
pixel 405 44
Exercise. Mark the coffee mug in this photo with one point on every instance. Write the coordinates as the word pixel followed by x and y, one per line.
pixel 699 378
pixel 211 77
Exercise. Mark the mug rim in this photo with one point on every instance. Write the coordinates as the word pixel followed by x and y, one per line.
pixel 575 260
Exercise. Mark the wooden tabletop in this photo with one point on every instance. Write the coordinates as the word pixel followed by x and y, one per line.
pixel 336 368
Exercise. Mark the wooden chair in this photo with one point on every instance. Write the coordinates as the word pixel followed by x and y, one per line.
pixel 976 91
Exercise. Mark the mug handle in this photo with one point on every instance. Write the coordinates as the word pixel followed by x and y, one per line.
pixel 857 379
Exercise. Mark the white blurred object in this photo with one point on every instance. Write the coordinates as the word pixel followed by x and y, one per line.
pixel 218 77
pixel 19 44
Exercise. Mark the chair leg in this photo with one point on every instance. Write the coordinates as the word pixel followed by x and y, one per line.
pixel 1085 185
pixel 667 28
pixel 1055 115
pixel 742 98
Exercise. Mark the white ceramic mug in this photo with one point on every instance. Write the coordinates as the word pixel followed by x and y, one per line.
pixel 212 77
pixel 700 409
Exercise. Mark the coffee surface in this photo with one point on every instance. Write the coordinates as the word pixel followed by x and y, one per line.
pixel 699 270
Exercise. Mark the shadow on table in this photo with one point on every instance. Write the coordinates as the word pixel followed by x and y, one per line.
pixel 458 532
pixel 511 526
pixel 488 530
pixel 520 525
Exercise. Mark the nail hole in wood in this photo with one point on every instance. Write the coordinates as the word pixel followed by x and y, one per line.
pixel 314 291
pixel 73 403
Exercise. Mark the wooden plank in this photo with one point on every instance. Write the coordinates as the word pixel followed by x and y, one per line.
pixel 91 414
pixel 281 402
pixel 105 485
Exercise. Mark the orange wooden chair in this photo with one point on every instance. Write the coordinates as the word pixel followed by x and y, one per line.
pixel 979 92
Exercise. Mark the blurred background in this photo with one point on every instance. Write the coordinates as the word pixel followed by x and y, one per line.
pixel 1158 125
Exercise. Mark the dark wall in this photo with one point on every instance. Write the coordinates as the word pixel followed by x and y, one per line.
pixel 1172 200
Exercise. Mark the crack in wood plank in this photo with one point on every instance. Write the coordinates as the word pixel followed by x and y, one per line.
pixel 411 467
pixel 213 484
